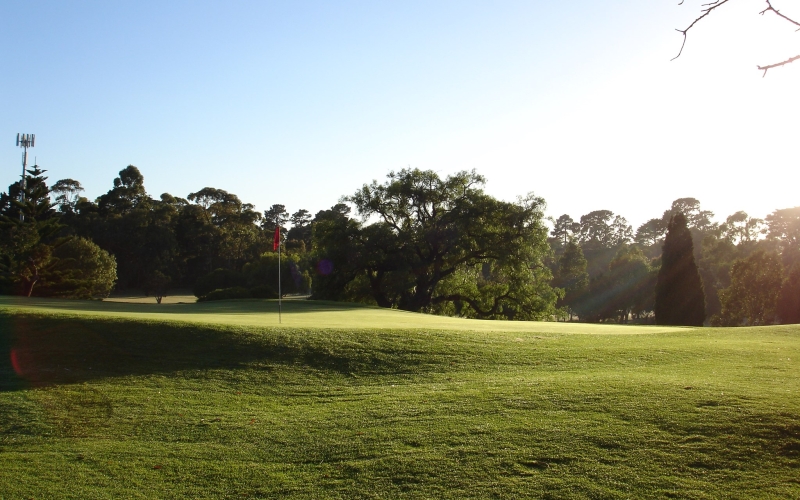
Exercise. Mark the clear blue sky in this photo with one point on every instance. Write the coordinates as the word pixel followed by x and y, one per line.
pixel 300 103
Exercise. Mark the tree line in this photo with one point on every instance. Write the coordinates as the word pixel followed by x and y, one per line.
pixel 748 269
pixel 416 242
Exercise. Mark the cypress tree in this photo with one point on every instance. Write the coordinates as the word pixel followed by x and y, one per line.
pixel 680 299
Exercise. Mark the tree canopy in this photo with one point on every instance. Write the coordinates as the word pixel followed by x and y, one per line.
pixel 443 245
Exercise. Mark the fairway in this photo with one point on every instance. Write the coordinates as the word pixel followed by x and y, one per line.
pixel 216 400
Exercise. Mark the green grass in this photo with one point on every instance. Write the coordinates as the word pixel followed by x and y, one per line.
pixel 297 314
pixel 216 401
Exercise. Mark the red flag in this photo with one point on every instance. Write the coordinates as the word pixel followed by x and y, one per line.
pixel 276 241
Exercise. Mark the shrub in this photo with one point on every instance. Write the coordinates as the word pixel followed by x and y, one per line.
pixel 236 292
pixel 264 292
pixel 217 280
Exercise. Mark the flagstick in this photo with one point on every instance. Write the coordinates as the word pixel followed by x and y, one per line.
pixel 279 278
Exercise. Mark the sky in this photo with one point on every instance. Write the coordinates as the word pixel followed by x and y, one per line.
pixel 303 102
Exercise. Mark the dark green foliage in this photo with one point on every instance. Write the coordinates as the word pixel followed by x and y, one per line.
pixel 260 277
pixel 595 229
pixel 236 292
pixel 784 230
pixel 27 242
pixel 217 279
pixel 696 218
pixel 83 271
pixel 564 229
pixel 679 296
pixel 572 277
pixel 789 302
pixel 301 229
pixel 633 283
pixel 263 275
pixel 336 254
pixel 651 233
pixel 625 289
pixel 752 297
pixel 67 194
pixel 157 285
pixel 440 246
pixel 718 255
pixel 263 292
pixel 128 192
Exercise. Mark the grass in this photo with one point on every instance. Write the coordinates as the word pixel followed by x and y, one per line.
pixel 296 314
pixel 207 401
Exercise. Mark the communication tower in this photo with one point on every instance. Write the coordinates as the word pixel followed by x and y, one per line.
pixel 24 141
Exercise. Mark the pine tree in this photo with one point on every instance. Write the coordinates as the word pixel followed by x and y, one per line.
pixel 25 249
pixel 35 259
pixel 680 299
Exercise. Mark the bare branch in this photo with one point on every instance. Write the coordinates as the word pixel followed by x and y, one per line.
pixel 777 13
pixel 708 7
pixel 770 66
pixel 706 11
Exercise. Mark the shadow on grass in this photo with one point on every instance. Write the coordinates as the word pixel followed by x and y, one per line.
pixel 45 350
pixel 213 307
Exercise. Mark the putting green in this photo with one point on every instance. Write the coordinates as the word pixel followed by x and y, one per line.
pixel 305 314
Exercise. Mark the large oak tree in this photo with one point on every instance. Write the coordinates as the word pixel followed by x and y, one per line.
pixel 439 245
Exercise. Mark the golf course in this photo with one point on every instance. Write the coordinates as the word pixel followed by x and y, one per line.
pixel 104 399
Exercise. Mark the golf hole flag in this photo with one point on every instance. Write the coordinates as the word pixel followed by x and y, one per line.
pixel 276 241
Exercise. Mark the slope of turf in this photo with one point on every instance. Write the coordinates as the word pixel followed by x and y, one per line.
pixel 297 314
pixel 103 407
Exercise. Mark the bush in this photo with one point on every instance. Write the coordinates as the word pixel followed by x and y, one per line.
pixel 264 292
pixel 263 273
pixel 82 270
pixel 218 279
pixel 236 292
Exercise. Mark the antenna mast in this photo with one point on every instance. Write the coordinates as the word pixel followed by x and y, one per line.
pixel 24 141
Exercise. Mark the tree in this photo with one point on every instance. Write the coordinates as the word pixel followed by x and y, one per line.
pixel 789 302
pixel 263 274
pixel 651 233
pixel 157 283
pixel 596 230
pixel 624 288
pixel 572 277
pixel 621 231
pixel 631 284
pixel 67 192
pixel 741 228
pixel 337 250
pixel 564 228
pixel 753 295
pixel 679 296
pixel 696 218
pixel 276 215
pixel 708 8
pixel 443 245
pixel 717 256
pixel 128 192
pixel 36 260
pixel 301 228
pixel 28 234
pixel 301 218
pixel 784 229
pixel 228 229
pixel 83 271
